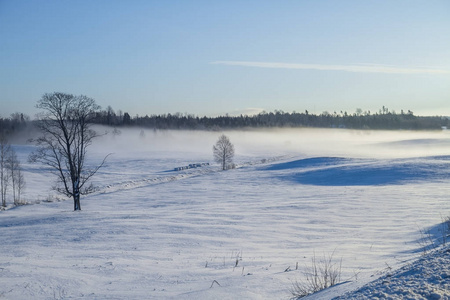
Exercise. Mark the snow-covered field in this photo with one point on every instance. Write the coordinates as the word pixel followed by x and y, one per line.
pixel 154 233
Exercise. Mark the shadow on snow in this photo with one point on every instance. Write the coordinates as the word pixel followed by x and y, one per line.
pixel 334 171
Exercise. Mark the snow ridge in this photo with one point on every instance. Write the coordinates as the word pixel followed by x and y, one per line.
pixel 426 278
pixel 177 175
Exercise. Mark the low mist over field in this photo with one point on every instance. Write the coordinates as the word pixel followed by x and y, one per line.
pixel 305 141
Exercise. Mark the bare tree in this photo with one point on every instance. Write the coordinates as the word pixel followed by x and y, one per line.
pixel 66 135
pixel 20 185
pixel 223 151
pixel 16 176
pixel 5 150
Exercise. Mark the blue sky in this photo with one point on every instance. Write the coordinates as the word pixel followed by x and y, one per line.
pixel 217 57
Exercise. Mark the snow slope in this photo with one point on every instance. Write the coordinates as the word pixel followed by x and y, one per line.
pixel 425 278
pixel 153 233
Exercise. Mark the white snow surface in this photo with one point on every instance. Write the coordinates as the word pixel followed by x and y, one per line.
pixel 153 233
pixel 425 278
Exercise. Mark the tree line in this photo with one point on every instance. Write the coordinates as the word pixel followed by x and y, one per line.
pixel 15 123
pixel 383 119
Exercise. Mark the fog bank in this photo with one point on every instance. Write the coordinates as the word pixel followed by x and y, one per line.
pixel 275 142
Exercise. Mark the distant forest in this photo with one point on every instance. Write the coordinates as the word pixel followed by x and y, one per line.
pixel 383 119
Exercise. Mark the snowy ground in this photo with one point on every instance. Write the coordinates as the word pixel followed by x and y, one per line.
pixel 152 233
pixel 425 278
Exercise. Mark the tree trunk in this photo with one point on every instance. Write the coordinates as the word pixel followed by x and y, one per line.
pixel 76 195
pixel 76 202
pixel 224 161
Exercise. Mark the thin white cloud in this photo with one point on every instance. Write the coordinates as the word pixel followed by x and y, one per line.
pixel 361 68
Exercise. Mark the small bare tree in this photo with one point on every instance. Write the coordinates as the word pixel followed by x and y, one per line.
pixel 5 151
pixel 223 151
pixel 16 176
pixel 66 135
pixel 20 186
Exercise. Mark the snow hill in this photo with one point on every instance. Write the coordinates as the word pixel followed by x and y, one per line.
pixel 150 232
